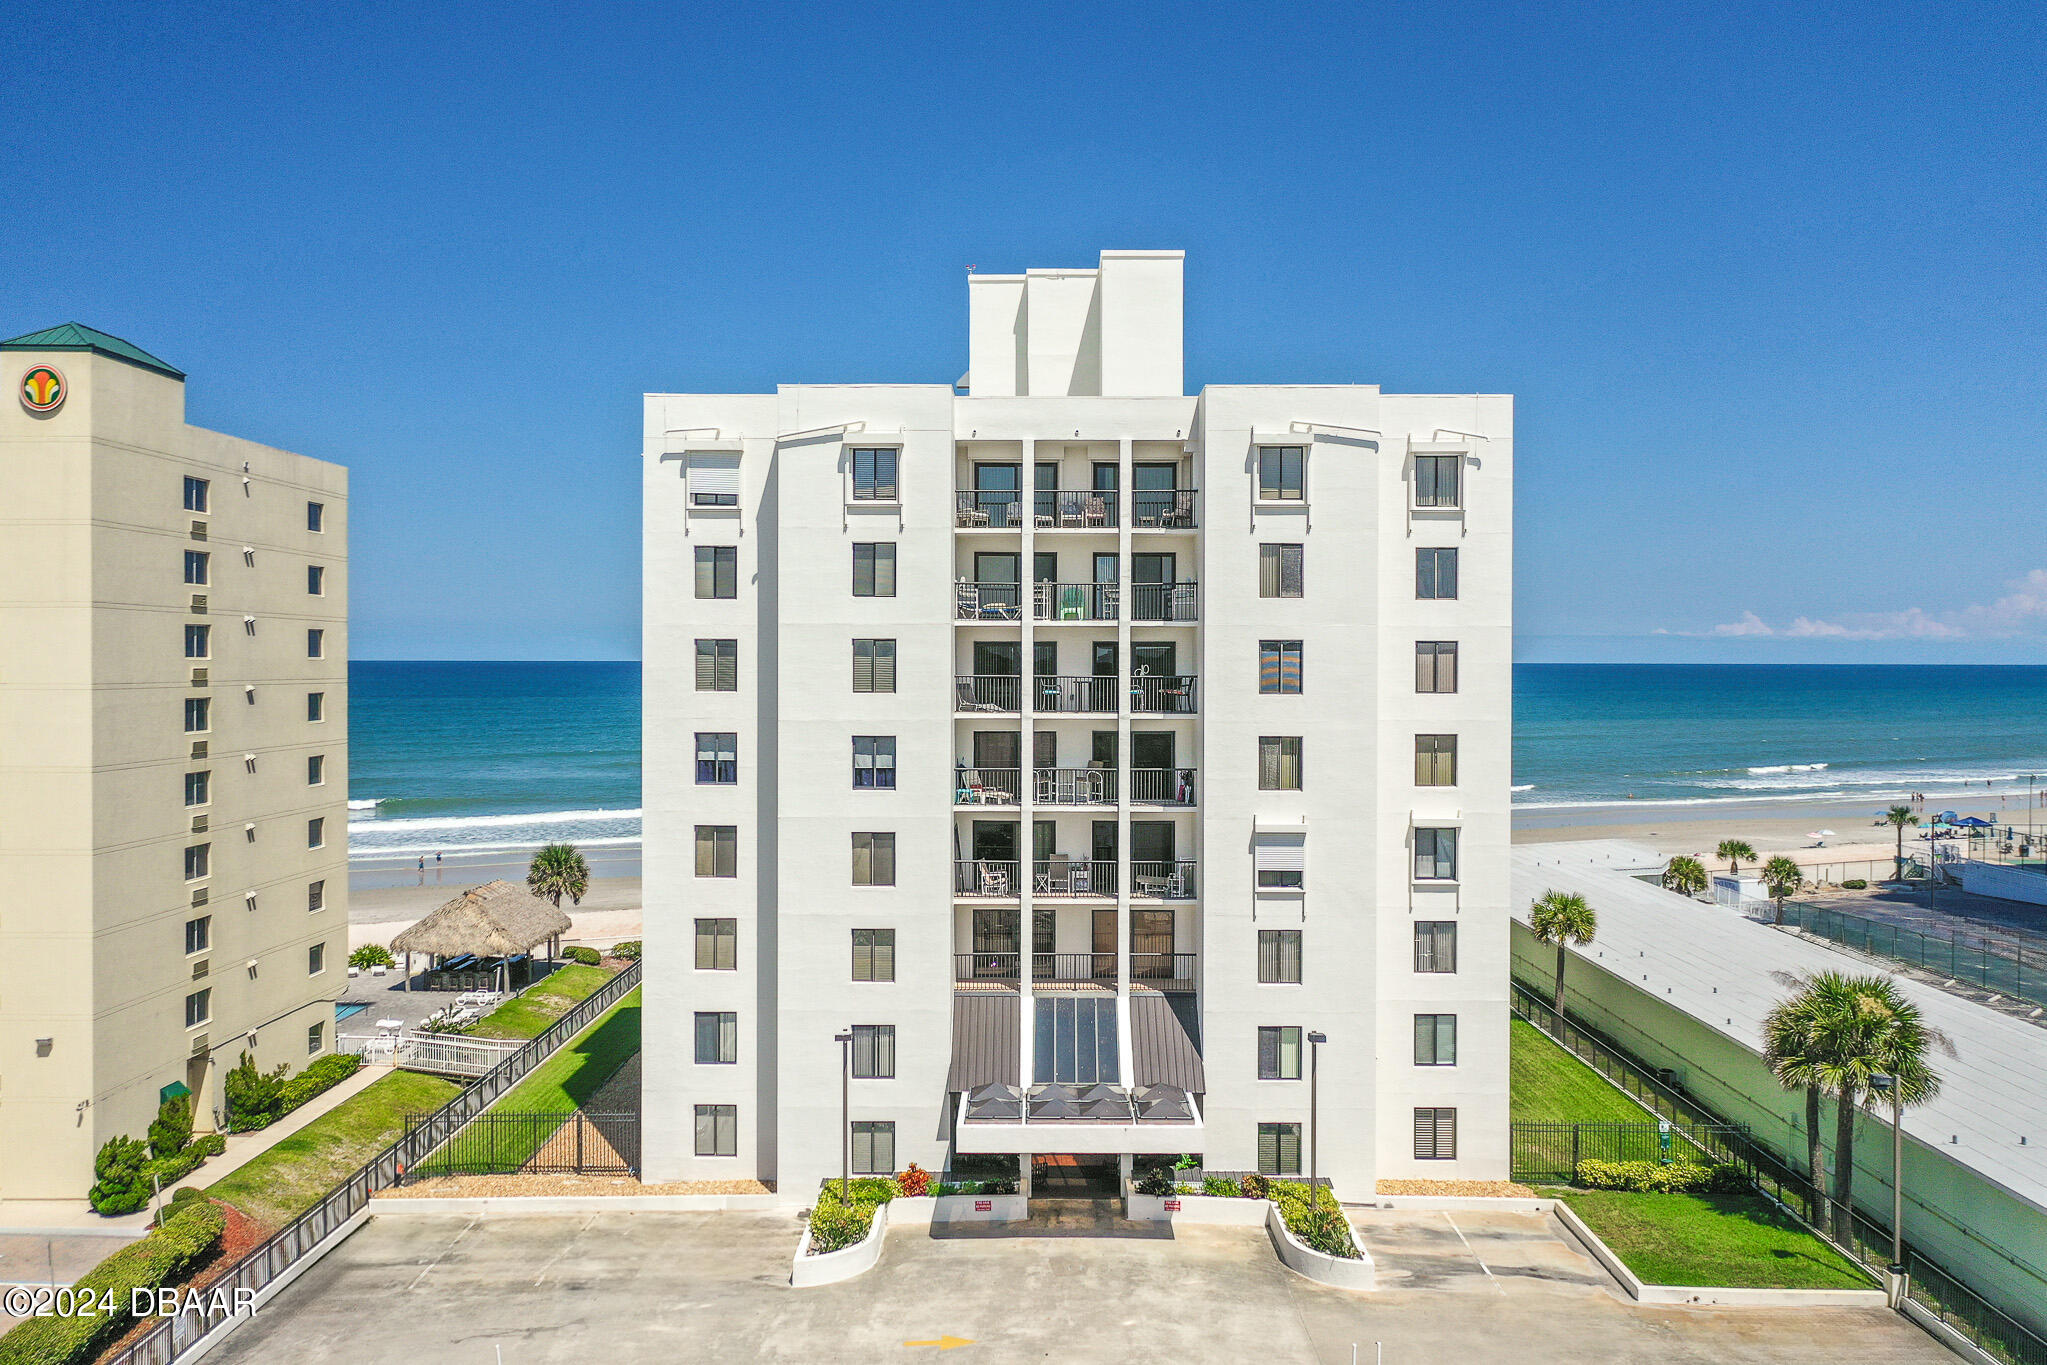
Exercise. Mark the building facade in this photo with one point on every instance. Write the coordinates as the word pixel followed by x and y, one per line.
pixel 173 754
pixel 1085 767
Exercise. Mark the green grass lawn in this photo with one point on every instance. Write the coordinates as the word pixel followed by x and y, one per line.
pixel 299 1170
pixel 528 1014
pixel 1549 1085
pixel 1733 1240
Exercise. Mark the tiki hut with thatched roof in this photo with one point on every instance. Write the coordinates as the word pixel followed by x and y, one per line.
pixel 498 919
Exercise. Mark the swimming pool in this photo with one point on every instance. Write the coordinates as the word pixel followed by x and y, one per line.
pixel 342 1012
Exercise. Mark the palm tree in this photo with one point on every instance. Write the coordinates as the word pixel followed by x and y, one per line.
pixel 1782 877
pixel 1788 1048
pixel 1734 850
pixel 1562 917
pixel 1686 875
pixel 1899 817
pixel 557 871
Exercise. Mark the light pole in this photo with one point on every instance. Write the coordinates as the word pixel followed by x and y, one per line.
pixel 1885 1083
pixel 1315 1042
pixel 845 1042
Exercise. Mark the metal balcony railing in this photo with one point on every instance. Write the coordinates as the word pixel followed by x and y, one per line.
pixel 1073 509
pixel 1163 971
pixel 1163 694
pixel 990 509
pixel 1164 601
pixel 994 602
pixel 1168 509
pixel 987 692
pixel 1073 786
pixel 1074 694
pixel 1162 786
pixel 987 786
pixel 1160 971
pixel 1076 601
pixel 985 966
pixel 1162 880
pixel 1066 877
pixel 986 877
pixel 1073 967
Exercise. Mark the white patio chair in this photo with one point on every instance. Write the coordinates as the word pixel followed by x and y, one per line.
pixel 994 880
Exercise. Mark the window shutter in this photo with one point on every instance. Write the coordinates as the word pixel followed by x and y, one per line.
pixel 1446 666
pixel 1268 570
pixel 884 665
pixel 863 955
pixel 1268 955
pixel 1290 570
pixel 885 569
pixel 1280 852
pixel 884 955
pixel 1268 1053
pixel 713 476
pixel 1268 1147
pixel 1290 1149
pixel 1424 666
pixel 885 1050
pixel 863 665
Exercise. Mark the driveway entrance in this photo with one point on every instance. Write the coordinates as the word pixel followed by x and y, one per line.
pixel 1064 1176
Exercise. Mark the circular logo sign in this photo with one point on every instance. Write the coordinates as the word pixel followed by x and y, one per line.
pixel 42 389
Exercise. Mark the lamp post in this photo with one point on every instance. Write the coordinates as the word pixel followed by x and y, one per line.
pixel 845 1042
pixel 1315 1042
pixel 1884 1083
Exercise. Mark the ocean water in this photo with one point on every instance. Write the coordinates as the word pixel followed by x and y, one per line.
pixel 500 756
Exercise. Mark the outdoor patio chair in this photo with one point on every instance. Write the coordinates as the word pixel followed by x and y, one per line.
pixel 994 880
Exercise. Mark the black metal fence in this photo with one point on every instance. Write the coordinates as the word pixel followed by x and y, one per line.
pixel 1549 1153
pixel 172 1337
pixel 497 1143
pixel 1991 962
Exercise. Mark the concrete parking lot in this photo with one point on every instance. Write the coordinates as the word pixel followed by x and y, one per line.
pixel 626 1288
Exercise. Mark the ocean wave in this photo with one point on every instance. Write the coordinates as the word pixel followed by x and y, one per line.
pixel 1790 768
pixel 1524 787
pixel 423 823
pixel 359 853
pixel 371 804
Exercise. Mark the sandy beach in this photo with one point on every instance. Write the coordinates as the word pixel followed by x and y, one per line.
pixel 385 896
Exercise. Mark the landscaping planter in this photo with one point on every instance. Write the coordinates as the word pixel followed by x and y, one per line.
pixel 1195 1209
pixel 1702 1295
pixel 961 1208
pixel 843 1264
pixel 1297 1256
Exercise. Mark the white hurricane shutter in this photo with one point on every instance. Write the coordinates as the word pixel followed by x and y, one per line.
pixel 1280 853
pixel 713 476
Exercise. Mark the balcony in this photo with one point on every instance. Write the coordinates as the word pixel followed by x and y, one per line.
pixel 1164 509
pixel 988 510
pixel 1074 786
pixel 987 878
pixel 1074 509
pixel 987 692
pixel 1165 694
pixel 1074 694
pixel 1164 601
pixel 1075 601
pixel 995 603
pixel 1158 971
pixel 1167 881
pixel 1072 879
pixel 1162 786
pixel 986 786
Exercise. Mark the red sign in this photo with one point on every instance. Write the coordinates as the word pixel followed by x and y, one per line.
pixel 1172 1206
pixel 984 1206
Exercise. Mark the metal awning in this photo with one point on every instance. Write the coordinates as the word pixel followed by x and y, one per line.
pixel 987 1040
pixel 1165 1047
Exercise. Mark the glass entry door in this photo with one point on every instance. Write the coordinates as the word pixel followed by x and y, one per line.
pixel 997 493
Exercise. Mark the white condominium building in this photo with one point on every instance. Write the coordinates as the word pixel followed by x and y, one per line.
pixel 173 754
pixel 1088 768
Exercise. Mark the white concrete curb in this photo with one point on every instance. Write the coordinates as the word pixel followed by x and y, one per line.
pixel 1197 1209
pixel 1718 1297
pixel 389 1206
pixel 1452 1203
pixel 277 1286
pixel 1946 1335
pixel 808 1271
pixel 1302 1259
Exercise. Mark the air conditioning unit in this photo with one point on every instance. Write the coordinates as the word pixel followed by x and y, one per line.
pixel 199 824
pixel 199 603
pixel 198 895
pixel 201 968
pixel 198 530
pixel 200 1045
pixel 198 748
pixel 198 677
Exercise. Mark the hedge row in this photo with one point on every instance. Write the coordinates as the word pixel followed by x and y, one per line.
pixel 166 1256
pixel 1649 1177
pixel 834 1226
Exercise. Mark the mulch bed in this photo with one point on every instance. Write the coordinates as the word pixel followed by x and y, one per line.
pixel 241 1236
pixel 1465 1189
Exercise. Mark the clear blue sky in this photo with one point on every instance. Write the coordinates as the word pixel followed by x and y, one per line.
pixel 1767 279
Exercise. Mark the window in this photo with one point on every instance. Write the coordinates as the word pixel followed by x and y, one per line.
pixel 1435 1135
pixel 1279 763
pixel 717 665
pixel 874 568
pixel 1279 956
pixel 197 644
pixel 874 1052
pixel 316 770
pixel 198 861
pixel 1075 1041
pixel 316 959
pixel 1435 480
pixel 1435 855
pixel 195 567
pixel 316 580
pixel 316 516
pixel 714 480
pixel 1279 570
pixel 874 475
pixel 197 711
pixel 199 934
pixel 1435 945
pixel 717 1038
pixel 874 1149
pixel 316 644
pixel 717 945
pixel 874 761
pixel 718 1130
pixel 874 859
pixel 1282 473
pixel 1435 665
pixel 1279 1148
pixel 316 1038
pixel 717 758
pixel 1435 760
pixel 717 850
pixel 1279 1053
pixel 199 1004
pixel 1279 665
pixel 316 706
pixel 717 571
pixel 874 954
pixel 1435 1040
pixel 1435 574
pixel 1280 860
pixel 874 665
pixel 195 494
pixel 196 788
pixel 316 832
pixel 316 896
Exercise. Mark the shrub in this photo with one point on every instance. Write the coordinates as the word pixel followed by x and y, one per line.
pixel 1311 1214
pixel 627 950
pixel 120 1177
pixel 1257 1187
pixel 372 955
pixel 319 1076
pixel 1221 1189
pixel 171 1129
pixel 186 1193
pixel 834 1226
pixel 942 1189
pixel 1656 1178
pixel 166 1256
pixel 1855 884
pixel 589 957
pixel 254 1097
pixel 1188 1162
pixel 1186 1189
pixel 172 1169
pixel 1157 1182
pixel 915 1183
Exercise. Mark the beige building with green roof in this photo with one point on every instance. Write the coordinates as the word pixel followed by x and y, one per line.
pixel 173 754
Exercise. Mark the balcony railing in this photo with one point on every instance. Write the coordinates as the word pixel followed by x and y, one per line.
pixel 1164 971
pixel 1067 877
pixel 1167 509
pixel 1163 694
pixel 1076 601
pixel 1172 881
pixel 1075 694
pixel 986 877
pixel 986 786
pixel 1162 786
pixel 1160 971
pixel 1000 602
pixel 984 966
pixel 987 692
pixel 1074 786
pixel 1164 601
pixel 1069 967
pixel 991 509
pixel 1073 509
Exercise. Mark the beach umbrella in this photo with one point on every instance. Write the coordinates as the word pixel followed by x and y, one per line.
pixel 1974 822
